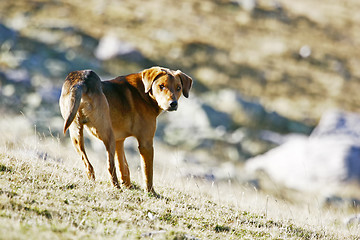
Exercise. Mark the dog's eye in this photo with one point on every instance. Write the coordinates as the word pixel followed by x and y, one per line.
pixel 178 88
pixel 161 86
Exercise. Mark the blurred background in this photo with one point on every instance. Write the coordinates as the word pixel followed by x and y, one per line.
pixel 275 91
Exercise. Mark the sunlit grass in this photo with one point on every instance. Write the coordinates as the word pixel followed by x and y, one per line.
pixel 47 196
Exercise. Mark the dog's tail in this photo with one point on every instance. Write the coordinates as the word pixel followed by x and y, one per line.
pixel 74 102
pixel 76 84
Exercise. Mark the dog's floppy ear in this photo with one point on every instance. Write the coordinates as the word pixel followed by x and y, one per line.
pixel 186 82
pixel 148 76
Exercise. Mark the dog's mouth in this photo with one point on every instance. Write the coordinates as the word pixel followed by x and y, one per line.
pixel 172 109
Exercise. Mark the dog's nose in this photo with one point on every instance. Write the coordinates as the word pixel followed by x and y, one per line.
pixel 173 104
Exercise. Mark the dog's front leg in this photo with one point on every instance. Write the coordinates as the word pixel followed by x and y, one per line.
pixel 147 154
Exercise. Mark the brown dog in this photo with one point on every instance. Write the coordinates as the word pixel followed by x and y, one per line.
pixel 116 109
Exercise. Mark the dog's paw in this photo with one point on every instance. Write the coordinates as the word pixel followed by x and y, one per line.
pixel 152 193
pixel 116 184
pixel 129 186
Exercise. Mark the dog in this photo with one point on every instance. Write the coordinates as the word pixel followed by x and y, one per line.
pixel 119 108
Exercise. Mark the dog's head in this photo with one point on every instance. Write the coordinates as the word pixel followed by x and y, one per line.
pixel 165 86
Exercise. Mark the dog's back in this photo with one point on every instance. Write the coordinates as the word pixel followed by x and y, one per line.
pixel 76 84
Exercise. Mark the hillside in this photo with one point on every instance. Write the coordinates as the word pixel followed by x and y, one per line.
pixel 44 195
pixel 263 71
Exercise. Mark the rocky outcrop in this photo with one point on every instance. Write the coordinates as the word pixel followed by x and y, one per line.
pixel 328 157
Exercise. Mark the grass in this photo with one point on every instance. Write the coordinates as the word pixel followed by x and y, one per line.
pixel 50 200
pixel 43 195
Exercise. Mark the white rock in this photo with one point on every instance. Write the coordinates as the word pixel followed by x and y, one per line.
pixel 330 156
pixel 110 46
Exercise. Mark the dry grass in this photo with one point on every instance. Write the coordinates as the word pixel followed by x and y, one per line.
pixel 44 195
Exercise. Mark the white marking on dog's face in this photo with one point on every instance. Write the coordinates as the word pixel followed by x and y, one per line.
pixel 166 90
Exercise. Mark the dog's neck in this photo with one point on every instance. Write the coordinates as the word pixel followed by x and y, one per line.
pixel 137 82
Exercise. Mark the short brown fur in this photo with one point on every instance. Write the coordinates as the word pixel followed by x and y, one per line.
pixel 119 108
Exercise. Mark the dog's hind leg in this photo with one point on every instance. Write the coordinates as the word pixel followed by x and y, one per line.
pixel 123 165
pixel 77 139
pixel 109 142
pixel 100 126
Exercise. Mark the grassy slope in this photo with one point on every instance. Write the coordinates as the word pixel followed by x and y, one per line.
pixel 44 195
pixel 45 200
pixel 48 200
